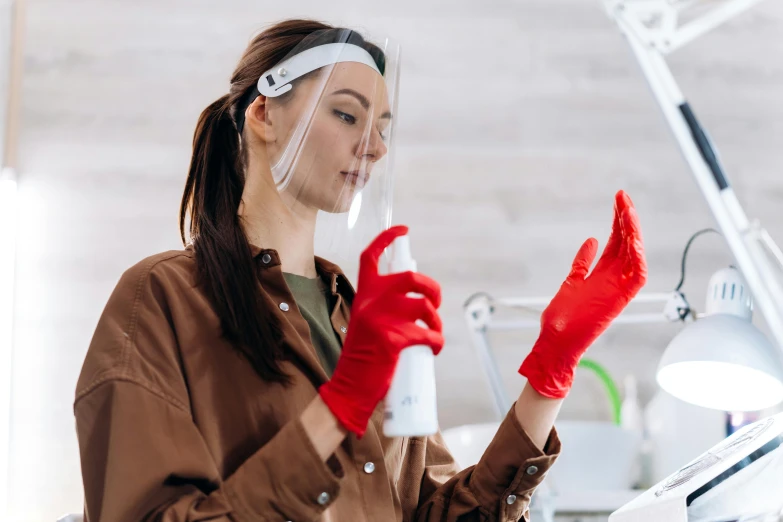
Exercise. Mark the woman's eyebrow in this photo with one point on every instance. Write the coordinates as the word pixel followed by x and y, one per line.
pixel 362 100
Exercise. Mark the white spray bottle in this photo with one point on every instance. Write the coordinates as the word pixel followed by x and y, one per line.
pixel 411 405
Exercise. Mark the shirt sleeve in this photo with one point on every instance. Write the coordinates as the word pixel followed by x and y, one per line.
pixel 143 458
pixel 497 488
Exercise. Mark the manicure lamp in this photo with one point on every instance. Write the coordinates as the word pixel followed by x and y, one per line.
pixel 720 360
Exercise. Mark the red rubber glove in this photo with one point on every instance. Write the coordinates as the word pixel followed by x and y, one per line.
pixel 383 323
pixel 585 305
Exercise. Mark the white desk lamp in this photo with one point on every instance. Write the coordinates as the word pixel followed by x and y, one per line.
pixel 722 361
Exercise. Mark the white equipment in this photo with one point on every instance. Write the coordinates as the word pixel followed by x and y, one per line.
pixel 742 475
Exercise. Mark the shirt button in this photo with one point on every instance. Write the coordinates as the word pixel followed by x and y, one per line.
pixel 323 498
pixel 532 470
pixel 284 307
pixel 343 329
pixel 266 258
pixel 511 499
pixel 369 468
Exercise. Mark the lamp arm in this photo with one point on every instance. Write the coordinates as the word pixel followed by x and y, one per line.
pixel 756 254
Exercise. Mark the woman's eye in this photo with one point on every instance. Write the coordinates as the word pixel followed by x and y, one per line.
pixel 347 118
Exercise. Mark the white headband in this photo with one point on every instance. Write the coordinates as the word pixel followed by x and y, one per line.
pixel 277 80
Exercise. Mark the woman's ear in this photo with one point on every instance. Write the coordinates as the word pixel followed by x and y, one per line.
pixel 257 120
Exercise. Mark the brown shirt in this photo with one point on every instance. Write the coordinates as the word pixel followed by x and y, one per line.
pixel 175 425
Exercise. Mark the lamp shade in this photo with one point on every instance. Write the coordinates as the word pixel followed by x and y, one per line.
pixel 722 361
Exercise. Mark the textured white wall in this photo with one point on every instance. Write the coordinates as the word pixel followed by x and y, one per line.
pixel 518 122
pixel 6 277
pixel 5 54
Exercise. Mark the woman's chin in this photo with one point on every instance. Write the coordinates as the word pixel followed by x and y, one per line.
pixel 340 204
pixel 337 207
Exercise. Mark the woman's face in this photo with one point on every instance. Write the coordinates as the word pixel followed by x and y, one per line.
pixel 348 124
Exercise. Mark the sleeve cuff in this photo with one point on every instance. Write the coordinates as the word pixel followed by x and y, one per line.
pixel 511 469
pixel 303 484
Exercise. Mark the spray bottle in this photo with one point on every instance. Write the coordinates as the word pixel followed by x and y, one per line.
pixel 411 406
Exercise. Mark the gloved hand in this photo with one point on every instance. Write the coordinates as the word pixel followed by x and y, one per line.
pixel 585 305
pixel 383 323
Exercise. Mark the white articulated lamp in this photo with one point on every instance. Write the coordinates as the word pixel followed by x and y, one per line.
pixel 722 361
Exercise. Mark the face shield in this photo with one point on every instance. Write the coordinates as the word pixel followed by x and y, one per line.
pixel 328 131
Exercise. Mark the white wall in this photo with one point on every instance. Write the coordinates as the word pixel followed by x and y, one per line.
pixel 5 53
pixel 6 258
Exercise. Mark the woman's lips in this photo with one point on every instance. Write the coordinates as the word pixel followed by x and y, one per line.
pixel 356 177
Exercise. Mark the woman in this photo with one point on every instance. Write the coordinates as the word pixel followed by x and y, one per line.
pixel 224 381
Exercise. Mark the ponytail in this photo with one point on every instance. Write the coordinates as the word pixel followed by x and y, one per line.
pixel 225 268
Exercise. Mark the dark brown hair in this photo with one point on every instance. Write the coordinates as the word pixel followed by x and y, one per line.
pixel 213 191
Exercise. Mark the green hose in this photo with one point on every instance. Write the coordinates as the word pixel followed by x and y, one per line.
pixel 611 387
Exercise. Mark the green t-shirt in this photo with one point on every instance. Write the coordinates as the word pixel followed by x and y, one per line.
pixel 316 304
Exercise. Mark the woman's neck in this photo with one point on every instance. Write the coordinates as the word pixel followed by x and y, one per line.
pixel 270 223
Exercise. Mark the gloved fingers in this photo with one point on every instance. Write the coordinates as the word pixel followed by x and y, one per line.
pixel 616 235
pixel 635 263
pixel 583 260
pixel 614 244
pixel 372 254
pixel 414 282
pixel 402 310
pixel 416 335
pixel 420 309
pixel 623 201
pixel 629 223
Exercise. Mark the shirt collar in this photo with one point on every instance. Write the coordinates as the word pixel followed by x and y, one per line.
pixel 330 273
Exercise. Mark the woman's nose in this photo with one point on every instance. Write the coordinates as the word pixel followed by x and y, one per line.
pixel 372 145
